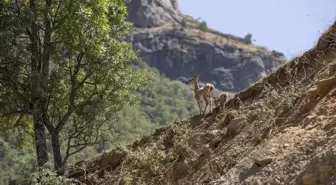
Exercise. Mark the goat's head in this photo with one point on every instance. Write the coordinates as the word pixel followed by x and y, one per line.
pixel 193 80
pixel 221 99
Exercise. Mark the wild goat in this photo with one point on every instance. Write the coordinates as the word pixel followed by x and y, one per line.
pixel 206 92
pixel 221 100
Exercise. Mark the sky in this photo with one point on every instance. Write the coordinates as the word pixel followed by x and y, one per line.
pixel 288 26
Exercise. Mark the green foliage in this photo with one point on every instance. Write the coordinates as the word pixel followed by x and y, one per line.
pixel 15 160
pixel 203 26
pixel 42 175
pixel 97 74
pixel 63 61
pixel 161 101
pixel 248 38
pixel 132 122
pixel 46 176
pixel 165 100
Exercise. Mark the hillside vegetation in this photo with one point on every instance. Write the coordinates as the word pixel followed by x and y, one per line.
pixel 281 130
pixel 160 102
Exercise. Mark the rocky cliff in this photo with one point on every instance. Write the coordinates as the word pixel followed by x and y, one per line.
pixel 179 47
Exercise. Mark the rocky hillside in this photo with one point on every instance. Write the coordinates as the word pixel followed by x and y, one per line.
pixel 281 130
pixel 179 47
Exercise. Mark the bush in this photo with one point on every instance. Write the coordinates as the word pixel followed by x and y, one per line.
pixel 43 175
pixel 248 38
pixel 203 26
pixel 47 176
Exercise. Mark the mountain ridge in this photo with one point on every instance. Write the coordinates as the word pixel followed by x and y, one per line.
pixel 181 47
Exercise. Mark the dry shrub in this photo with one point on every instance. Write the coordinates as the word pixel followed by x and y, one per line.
pixel 154 163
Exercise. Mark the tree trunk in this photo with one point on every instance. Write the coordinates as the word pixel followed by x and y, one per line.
pixel 38 105
pixel 57 153
pixel 39 132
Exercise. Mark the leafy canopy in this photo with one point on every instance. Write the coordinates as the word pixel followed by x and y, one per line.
pixel 85 72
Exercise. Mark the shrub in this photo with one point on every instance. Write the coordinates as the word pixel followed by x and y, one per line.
pixel 203 26
pixel 248 38
pixel 43 175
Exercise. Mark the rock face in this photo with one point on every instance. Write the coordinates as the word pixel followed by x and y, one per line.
pixel 175 45
pixel 149 13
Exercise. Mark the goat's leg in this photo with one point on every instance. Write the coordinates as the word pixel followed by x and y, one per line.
pixel 206 104
pixel 199 105
pixel 210 104
pixel 210 101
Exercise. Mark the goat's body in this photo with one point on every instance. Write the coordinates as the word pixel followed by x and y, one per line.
pixel 206 92
pixel 221 100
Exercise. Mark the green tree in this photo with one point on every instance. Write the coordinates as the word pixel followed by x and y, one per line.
pixel 63 66
pixel 248 38
pixel 203 26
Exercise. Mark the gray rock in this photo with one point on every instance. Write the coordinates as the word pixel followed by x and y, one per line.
pixel 179 54
pixel 262 161
pixel 149 13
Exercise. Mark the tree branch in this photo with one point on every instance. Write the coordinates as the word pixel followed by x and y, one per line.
pixel 87 142
pixel 74 88
pixel 71 100
pixel 55 15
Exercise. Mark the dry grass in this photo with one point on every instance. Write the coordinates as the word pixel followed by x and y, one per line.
pixel 211 37
pixel 193 30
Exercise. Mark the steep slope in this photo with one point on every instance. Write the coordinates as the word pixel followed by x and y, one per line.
pixel 282 130
pixel 180 47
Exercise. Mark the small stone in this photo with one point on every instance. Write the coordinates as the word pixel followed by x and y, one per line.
pixel 311 116
pixel 309 179
pixel 286 145
pixel 262 161
pixel 215 132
